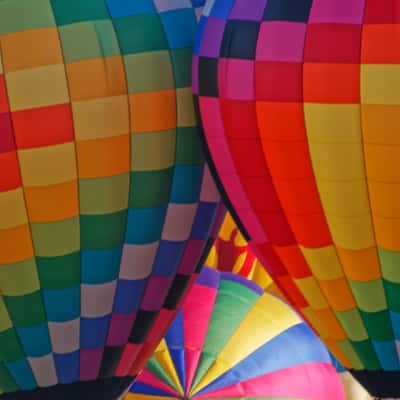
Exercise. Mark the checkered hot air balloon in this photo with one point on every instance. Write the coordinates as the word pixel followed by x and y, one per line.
pixel 300 106
pixel 106 206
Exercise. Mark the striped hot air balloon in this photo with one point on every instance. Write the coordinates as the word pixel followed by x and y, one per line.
pixel 231 340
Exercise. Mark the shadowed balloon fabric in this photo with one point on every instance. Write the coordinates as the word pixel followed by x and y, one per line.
pixel 300 105
pixel 233 340
pixel 106 205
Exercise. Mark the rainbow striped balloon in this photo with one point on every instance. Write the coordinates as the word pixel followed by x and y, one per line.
pixel 233 340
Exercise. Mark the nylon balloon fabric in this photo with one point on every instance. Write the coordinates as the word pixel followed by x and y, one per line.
pixel 232 340
pixel 299 103
pixel 232 253
pixel 106 205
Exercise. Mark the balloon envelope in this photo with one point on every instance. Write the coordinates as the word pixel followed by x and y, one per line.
pixel 300 107
pixel 233 340
pixel 106 205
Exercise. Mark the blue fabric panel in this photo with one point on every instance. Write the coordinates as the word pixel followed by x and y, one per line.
pixel 64 304
pixel 94 332
pixel 387 355
pixel 144 225
pixel 139 387
pixel 100 266
pixel 67 366
pixel 129 295
pixel 177 21
pixel 295 346
pixel 123 8
pixel 35 340
pixel 222 9
pixel 205 213
pixel 186 184
pixel 168 258
pixel 22 374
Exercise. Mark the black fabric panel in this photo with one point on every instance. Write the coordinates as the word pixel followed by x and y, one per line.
pixel 110 361
pixel 382 384
pixel 101 389
pixel 142 326
pixel 175 293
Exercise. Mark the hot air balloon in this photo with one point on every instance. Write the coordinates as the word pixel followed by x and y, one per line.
pixel 299 102
pixel 232 340
pixel 106 205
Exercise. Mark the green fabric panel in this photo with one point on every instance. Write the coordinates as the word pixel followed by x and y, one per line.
pixel 378 325
pixel 352 323
pixel 367 354
pixel 154 367
pixel 103 195
pixel 152 151
pixel 370 295
pixel 10 347
pixel 19 278
pixel 71 11
pixel 150 189
pixel 22 15
pixel 60 272
pixel 188 147
pixel 143 71
pixel 26 310
pixel 56 238
pixel 390 264
pixel 392 295
pixel 231 306
pixel 103 231
pixel 100 41
pixel 131 30
pixel 182 67
pixel 7 382
pixel 348 350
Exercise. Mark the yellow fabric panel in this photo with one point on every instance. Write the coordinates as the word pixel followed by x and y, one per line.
pixel 164 359
pixel 332 122
pixel 101 118
pixel 338 294
pixel 323 262
pixel 316 323
pixel 259 275
pixel 35 164
pixel 271 317
pixel 212 258
pixel 310 289
pixel 227 228
pixel 37 87
pixel 380 83
pixel 12 209
pixel 10 278
pixel 186 115
pixel 5 321
pixel 376 116
pixel 237 266
pixel 1 64
pixel 360 265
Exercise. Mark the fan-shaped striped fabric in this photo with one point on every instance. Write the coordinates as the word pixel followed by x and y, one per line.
pixel 233 340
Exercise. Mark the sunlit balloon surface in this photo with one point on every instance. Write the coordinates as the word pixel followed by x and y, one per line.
pixel 105 202
pixel 232 340
pixel 300 106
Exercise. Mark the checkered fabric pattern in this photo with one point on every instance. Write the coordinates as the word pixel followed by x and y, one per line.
pixel 300 106
pixel 106 205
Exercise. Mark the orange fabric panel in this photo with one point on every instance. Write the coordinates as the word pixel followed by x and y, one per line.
pixel 103 157
pixel 52 203
pixel 16 244
pixel 338 294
